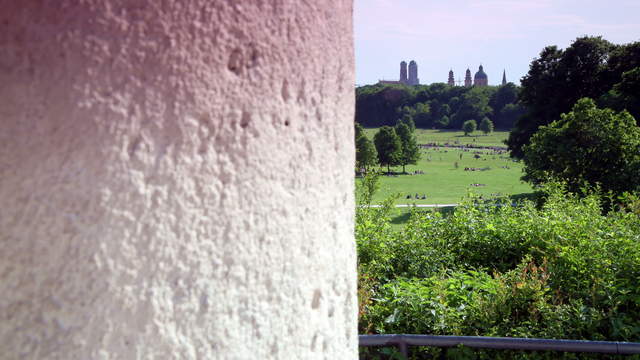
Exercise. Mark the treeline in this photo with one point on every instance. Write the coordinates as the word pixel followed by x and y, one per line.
pixel 591 67
pixel 391 146
pixel 581 125
pixel 438 105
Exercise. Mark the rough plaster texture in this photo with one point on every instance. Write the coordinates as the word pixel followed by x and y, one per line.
pixel 175 180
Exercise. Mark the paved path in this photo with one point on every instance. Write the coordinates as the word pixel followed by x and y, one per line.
pixel 418 205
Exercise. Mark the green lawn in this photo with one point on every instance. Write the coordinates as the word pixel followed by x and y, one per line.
pixel 454 137
pixel 443 183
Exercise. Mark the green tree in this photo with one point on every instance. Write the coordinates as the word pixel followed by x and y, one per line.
pixel 408 120
pixel 388 146
pixel 422 115
pixel 410 153
pixel 474 105
pixel 505 95
pixel 587 145
pixel 366 156
pixel 486 125
pixel 625 95
pixel 469 126
pixel 556 80
pixel 443 121
pixel 508 116
pixel 376 105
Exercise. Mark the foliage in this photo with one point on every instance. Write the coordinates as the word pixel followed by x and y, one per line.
pixel 410 152
pixel 436 105
pixel 388 146
pixel 377 105
pixel 625 95
pixel 469 126
pixel 588 145
pixel 507 117
pixel 589 67
pixel 474 105
pixel 486 125
pixel 366 156
pixel 562 270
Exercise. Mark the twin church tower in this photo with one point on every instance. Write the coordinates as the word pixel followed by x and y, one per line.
pixel 479 79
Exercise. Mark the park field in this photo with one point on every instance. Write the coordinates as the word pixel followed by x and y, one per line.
pixel 440 176
pixel 454 137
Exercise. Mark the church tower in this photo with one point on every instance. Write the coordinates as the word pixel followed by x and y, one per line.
pixel 413 73
pixel 451 82
pixel 403 72
pixel 480 79
pixel 467 78
pixel 504 77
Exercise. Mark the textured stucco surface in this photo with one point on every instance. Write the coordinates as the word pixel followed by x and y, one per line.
pixel 175 180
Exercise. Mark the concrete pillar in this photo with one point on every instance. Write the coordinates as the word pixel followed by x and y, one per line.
pixel 176 180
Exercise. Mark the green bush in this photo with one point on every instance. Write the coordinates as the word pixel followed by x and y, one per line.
pixel 563 270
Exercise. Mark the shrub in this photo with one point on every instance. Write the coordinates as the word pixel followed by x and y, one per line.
pixel 563 269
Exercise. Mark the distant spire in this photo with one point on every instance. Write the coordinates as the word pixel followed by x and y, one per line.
pixel 450 81
pixel 467 78
pixel 504 77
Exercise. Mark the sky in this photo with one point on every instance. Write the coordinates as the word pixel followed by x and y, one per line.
pixel 458 34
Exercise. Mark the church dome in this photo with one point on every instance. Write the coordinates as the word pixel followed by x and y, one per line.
pixel 480 74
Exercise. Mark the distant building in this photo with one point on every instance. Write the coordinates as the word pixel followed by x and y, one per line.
pixel 504 77
pixel 413 73
pixel 480 78
pixel 467 78
pixel 451 82
pixel 410 78
pixel 403 72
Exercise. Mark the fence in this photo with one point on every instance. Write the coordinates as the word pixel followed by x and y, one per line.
pixel 402 342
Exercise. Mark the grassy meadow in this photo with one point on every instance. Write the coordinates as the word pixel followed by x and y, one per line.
pixel 443 182
pixel 454 137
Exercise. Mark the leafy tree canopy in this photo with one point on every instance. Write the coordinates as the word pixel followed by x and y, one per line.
pixel 587 145
pixel 410 152
pixel 589 67
pixel 388 146
pixel 486 126
pixel 366 156
pixel 433 106
pixel 469 126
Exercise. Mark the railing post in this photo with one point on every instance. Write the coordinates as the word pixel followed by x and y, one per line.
pixel 402 346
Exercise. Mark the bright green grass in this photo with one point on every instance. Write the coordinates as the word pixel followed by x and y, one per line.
pixel 452 136
pixel 442 183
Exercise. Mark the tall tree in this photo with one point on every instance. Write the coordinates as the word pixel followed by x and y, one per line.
pixel 505 95
pixel 596 146
pixel 556 80
pixel 366 156
pixel 410 152
pixel 486 126
pixel 388 146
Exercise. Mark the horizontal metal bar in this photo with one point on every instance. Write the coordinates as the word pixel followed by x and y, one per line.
pixel 580 346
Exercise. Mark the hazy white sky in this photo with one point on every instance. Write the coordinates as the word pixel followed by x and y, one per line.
pixel 499 34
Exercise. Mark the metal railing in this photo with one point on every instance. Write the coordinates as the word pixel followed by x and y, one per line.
pixel 402 342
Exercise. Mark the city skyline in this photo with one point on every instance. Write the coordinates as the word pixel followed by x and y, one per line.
pixel 501 35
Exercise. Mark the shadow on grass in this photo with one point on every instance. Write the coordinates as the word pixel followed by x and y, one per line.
pixel 403 217
pixel 531 196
